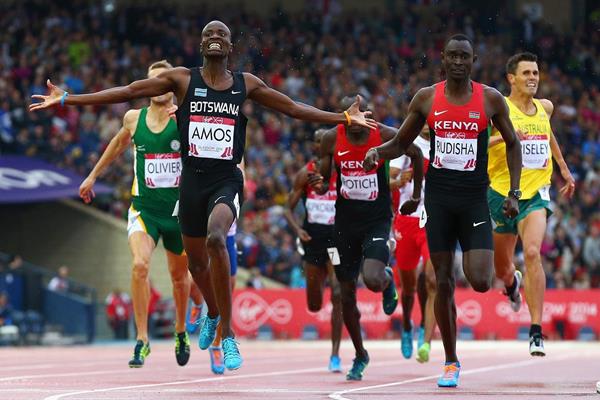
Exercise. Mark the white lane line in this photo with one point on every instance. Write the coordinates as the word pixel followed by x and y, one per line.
pixel 339 395
pixel 17 378
pixel 213 379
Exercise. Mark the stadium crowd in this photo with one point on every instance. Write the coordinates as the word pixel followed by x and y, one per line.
pixel 316 56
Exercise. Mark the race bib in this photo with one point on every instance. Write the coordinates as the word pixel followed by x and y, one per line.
pixel 362 186
pixel 545 193
pixel 320 211
pixel 535 150
pixel 423 218
pixel 334 255
pixel 211 137
pixel 456 151
pixel 162 170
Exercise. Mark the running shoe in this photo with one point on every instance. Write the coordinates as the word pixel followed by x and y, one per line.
pixel 231 353
pixel 423 353
pixel 208 327
pixel 421 337
pixel 358 368
pixel 335 364
pixel 192 320
pixel 450 376
pixel 140 352
pixel 407 343
pixel 515 298
pixel 216 360
pixel 390 294
pixel 536 345
pixel 182 348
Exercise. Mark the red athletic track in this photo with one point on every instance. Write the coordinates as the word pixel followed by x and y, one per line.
pixel 296 370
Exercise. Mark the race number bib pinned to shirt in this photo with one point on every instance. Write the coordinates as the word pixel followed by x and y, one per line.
pixel 545 193
pixel 211 137
pixel 334 255
pixel 535 151
pixel 320 211
pixel 456 151
pixel 162 170
pixel 358 185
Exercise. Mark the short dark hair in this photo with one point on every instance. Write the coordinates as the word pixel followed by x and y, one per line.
pixel 461 37
pixel 513 62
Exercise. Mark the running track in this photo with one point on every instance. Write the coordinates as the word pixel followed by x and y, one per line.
pixel 296 370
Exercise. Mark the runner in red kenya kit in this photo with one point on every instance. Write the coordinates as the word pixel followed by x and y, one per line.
pixel 213 132
pixel 362 221
pixel 458 112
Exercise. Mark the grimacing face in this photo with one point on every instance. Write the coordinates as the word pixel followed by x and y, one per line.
pixel 526 78
pixel 216 40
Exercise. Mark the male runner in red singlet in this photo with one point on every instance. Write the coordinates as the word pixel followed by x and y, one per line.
pixel 458 112
pixel 316 236
pixel 362 221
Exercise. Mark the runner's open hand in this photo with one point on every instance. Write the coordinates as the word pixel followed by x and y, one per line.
pixel 53 97
pixel 569 188
pixel 315 181
pixel 361 118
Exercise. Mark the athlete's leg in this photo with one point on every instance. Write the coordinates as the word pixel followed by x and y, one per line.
pixel 219 222
pixel 195 248
pixel 532 229
pixel 504 249
pixel 336 312
pixel 445 306
pixel 408 279
pixel 218 337
pixel 141 246
pixel 181 287
pixel 315 284
pixel 422 294
pixel 351 316
pixel 429 313
pixel 195 293
pixel 478 266
pixel 374 275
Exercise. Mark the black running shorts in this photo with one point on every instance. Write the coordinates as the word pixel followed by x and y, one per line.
pixel 200 192
pixel 355 243
pixel 452 218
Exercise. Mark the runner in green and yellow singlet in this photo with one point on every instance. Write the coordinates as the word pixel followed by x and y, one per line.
pixel 531 119
pixel 155 191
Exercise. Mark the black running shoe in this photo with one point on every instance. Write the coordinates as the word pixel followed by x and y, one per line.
pixel 140 352
pixel 182 348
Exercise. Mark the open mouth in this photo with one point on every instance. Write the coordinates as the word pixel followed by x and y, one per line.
pixel 215 46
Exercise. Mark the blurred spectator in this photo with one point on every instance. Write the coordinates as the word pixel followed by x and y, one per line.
pixel 254 279
pixel 591 250
pixel 5 310
pixel 118 312
pixel 60 283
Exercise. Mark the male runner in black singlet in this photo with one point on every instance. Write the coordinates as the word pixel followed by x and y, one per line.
pixel 458 112
pixel 362 220
pixel 213 132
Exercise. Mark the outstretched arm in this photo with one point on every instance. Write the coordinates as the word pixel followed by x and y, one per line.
pixel 416 157
pixel 292 201
pixel 170 80
pixel 271 98
pixel 115 148
pixel 410 129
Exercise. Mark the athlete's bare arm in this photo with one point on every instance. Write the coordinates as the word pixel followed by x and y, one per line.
pixel 497 109
pixel 118 144
pixel 411 127
pixel 569 187
pixel 294 197
pixel 258 91
pixel 174 80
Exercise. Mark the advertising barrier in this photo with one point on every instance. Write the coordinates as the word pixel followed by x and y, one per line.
pixel 488 315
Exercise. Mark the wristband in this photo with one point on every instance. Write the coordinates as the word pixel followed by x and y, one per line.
pixel 63 98
pixel 348 119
